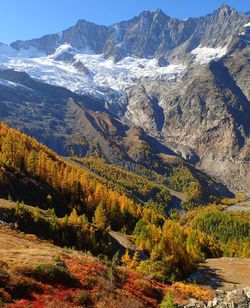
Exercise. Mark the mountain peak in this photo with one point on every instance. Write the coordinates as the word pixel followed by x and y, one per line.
pixel 159 13
pixel 224 11
pixel 153 15
pixel 225 8
pixel 146 13
pixel 84 22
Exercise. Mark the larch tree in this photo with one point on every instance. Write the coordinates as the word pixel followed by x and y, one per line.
pixel 100 217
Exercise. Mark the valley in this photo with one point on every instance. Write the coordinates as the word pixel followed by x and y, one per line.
pixel 125 164
pixel 99 211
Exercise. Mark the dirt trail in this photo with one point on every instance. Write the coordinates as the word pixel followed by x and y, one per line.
pixel 224 273
pixel 241 206
pixel 125 240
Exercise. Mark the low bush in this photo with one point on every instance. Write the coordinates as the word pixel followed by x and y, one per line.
pixel 4 298
pixel 194 291
pixel 147 288
pixel 168 301
pixel 84 299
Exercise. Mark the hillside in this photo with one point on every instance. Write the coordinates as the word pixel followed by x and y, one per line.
pixel 43 275
pixel 102 195
pixel 90 205
pixel 179 177
pixel 37 273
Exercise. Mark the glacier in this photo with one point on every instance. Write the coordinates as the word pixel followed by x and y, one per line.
pixel 100 77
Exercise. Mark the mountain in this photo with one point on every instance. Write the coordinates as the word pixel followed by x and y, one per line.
pixel 75 125
pixel 207 120
pixel 125 158
pixel 151 34
pixel 182 83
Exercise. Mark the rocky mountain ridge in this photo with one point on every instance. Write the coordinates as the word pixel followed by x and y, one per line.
pixel 151 34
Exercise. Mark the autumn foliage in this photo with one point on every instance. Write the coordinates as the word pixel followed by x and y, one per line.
pixel 80 207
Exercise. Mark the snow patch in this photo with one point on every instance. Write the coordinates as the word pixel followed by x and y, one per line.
pixel 7 53
pixel 247 25
pixel 206 54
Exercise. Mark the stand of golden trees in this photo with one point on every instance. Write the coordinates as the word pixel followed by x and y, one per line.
pixel 174 246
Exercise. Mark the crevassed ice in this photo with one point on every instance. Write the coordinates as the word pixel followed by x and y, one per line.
pixel 104 74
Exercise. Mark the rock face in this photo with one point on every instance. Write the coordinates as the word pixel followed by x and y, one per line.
pixel 205 116
pixel 239 298
pixel 43 111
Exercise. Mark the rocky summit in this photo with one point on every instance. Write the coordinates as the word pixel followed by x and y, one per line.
pixel 185 83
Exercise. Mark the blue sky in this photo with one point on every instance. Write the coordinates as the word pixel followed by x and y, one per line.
pixel 25 19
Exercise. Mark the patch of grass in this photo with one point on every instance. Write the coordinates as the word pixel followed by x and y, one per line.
pixel 194 291
pixel 57 258
pixel 67 250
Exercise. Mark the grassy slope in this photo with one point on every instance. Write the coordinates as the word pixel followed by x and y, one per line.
pixel 38 274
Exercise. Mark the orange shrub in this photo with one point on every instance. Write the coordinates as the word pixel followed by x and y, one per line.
pixel 192 290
